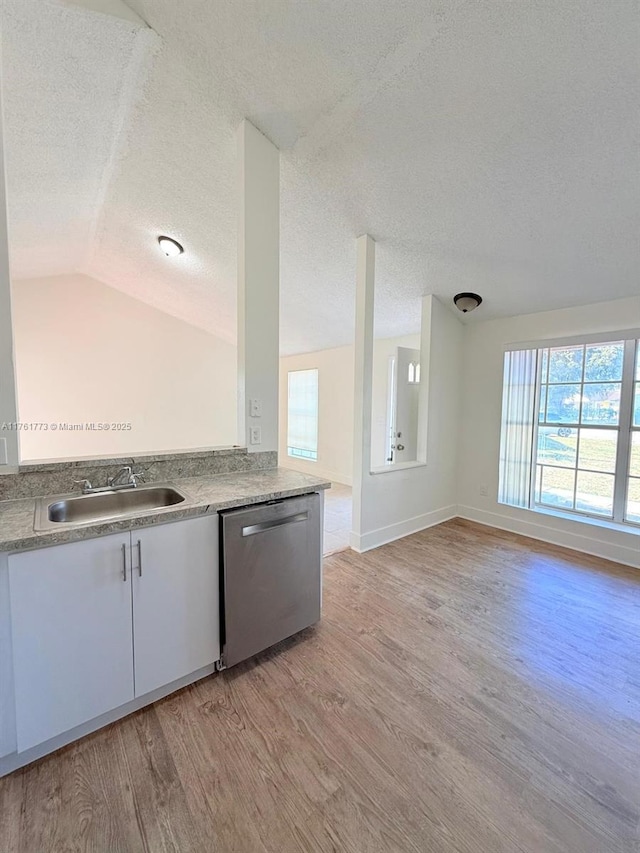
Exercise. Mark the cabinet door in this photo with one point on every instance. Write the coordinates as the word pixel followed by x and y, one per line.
pixel 72 635
pixel 176 617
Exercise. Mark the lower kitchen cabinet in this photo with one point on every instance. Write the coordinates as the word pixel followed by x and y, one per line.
pixel 176 624
pixel 100 623
pixel 71 635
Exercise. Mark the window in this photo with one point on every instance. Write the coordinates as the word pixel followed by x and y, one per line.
pixel 413 377
pixel 571 429
pixel 302 423
pixel 633 488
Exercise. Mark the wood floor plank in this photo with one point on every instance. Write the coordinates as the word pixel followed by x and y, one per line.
pixel 12 811
pixel 239 780
pixel 402 727
pixel 163 814
pixel 103 802
pixel 467 691
pixel 83 780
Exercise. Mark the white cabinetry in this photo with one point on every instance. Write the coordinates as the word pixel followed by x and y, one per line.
pixel 98 623
pixel 176 626
pixel 71 635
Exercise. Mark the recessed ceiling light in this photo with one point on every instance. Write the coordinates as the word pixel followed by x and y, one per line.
pixel 170 246
pixel 466 302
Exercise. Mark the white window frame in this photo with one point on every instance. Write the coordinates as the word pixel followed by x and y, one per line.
pixel 635 428
pixel 303 453
pixel 625 426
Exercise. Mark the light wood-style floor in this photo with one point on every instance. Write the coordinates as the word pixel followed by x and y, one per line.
pixel 466 690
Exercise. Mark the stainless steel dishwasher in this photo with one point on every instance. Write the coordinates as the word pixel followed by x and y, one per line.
pixel 271 574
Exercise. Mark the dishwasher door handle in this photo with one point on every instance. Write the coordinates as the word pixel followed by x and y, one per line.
pixel 252 529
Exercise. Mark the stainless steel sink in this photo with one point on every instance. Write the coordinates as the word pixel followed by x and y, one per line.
pixel 105 506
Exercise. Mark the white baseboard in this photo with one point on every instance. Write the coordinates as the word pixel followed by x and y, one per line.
pixel 383 535
pixel 590 544
pixel 535 529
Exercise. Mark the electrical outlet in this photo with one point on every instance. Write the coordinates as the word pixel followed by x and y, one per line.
pixel 255 409
pixel 484 490
pixel 4 459
pixel 255 435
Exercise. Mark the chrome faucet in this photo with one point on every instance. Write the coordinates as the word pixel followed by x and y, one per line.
pixel 132 479
pixel 126 478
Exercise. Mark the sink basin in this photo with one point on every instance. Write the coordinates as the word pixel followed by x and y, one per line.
pixel 88 509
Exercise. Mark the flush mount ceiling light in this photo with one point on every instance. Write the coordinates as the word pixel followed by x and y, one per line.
pixel 170 246
pixel 466 302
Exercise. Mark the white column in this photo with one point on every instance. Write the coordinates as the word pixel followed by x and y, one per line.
pixel 258 288
pixel 365 288
pixel 426 338
pixel 9 453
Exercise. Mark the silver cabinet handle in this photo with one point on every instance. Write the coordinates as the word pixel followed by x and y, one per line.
pixel 124 563
pixel 139 545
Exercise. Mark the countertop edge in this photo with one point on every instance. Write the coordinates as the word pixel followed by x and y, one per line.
pixel 198 507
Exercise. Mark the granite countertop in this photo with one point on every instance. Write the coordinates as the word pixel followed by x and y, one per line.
pixel 203 495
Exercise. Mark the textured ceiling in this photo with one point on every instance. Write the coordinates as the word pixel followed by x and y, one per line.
pixel 69 80
pixel 487 145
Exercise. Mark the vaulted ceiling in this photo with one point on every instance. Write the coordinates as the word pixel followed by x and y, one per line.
pixel 487 145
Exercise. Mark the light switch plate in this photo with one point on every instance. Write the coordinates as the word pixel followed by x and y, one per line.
pixel 255 409
pixel 255 435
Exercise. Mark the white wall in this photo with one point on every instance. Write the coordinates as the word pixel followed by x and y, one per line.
pixel 335 413
pixel 8 404
pixel 403 500
pixel 479 434
pixel 335 405
pixel 86 352
pixel 258 286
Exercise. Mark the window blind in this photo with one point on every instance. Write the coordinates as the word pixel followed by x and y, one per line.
pixel 518 408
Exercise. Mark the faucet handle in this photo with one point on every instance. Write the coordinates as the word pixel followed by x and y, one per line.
pixel 136 478
pixel 86 485
pixel 111 481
